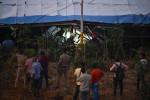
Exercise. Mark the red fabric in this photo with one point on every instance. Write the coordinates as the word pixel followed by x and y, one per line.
pixel 96 75
pixel 44 62
pixel 94 35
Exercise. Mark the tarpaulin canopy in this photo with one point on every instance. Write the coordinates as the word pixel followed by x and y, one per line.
pixel 102 11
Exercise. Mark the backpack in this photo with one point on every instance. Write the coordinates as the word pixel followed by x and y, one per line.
pixel 119 72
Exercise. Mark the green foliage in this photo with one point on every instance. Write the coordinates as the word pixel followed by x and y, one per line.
pixel 26 32
pixel 78 56
pixel 100 64
pixel 29 52
pixel 115 42
pixel 90 49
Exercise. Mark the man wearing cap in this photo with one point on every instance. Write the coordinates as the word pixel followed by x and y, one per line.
pixel 63 67
pixel 43 60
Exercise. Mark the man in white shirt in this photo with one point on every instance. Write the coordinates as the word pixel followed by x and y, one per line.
pixel 140 70
pixel 86 83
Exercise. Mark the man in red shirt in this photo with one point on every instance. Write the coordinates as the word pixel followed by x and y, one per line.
pixel 96 75
pixel 43 60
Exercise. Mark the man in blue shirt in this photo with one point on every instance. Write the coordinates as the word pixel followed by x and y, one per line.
pixel 7 46
pixel 35 75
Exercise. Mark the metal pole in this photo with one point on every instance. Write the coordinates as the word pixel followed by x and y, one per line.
pixel 81 27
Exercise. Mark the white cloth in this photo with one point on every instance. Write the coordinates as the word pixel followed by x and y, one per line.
pixel 143 61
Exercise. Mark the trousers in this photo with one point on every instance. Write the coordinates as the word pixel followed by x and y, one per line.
pixel 84 95
pixel 120 84
pixel 95 88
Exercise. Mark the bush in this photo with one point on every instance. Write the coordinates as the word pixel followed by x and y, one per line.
pixel 29 52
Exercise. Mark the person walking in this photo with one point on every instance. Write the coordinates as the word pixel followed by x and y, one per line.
pixel 140 70
pixel 77 74
pixel 85 84
pixel 35 76
pixel 21 58
pixel 96 75
pixel 63 67
pixel 118 68
pixel 43 60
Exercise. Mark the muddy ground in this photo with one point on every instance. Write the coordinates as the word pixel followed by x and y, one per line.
pixel 8 92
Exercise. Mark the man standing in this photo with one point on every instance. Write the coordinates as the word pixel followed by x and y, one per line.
pixel 118 68
pixel 35 75
pixel 63 67
pixel 21 66
pixel 140 70
pixel 7 46
pixel 77 74
pixel 86 82
pixel 96 75
pixel 43 60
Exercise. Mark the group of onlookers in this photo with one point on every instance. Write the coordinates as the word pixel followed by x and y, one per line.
pixel 85 81
pixel 35 68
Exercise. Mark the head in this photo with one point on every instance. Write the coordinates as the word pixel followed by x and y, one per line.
pixel 82 64
pixel 20 51
pixel 42 53
pixel 94 65
pixel 142 55
pixel 83 70
pixel 34 59
pixel 117 59
pixel 65 50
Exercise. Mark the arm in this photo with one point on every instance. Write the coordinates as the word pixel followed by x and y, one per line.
pixel 125 66
pixel 92 77
pixel 33 72
pixel 79 79
pixel 60 61
pixel 102 73
pixel 112 68
pixel 33 75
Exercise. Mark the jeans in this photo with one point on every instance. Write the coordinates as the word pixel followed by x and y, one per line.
pixel 45 73
pixel 77 92
pixel 95 88
pixel 115 86
pixel 35 88
pixel 84 95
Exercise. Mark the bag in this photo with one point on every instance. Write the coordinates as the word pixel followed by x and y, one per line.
pixel 119 72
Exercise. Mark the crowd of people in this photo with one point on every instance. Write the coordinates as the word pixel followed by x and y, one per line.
pixel 35 68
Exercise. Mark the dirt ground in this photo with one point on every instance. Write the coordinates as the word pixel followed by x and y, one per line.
pixel 8 92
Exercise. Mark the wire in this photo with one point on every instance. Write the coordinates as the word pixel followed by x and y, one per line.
pixel 53 12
